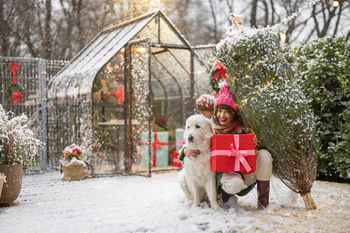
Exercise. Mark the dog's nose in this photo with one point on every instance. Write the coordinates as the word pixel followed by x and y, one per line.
pixel 190 138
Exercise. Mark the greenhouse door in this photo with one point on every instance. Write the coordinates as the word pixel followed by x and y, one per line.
pixel 137 110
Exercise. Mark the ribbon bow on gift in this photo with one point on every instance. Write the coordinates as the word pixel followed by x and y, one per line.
pixel 240 154
pixel 181 142
pixel 17 97
pixel 156 145
pixel 221 70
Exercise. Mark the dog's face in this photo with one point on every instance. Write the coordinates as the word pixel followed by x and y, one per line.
pixel 198 132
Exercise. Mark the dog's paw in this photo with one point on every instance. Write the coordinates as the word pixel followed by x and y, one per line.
pixel 218 208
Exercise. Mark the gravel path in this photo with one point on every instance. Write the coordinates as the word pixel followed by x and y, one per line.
pixel 157 204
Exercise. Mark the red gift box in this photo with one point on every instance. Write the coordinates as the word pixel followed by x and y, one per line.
pixel 176 161
pixel 233 152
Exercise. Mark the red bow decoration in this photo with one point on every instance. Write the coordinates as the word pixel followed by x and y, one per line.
pixel 119 94
pixel 14 67
pixel 221 70
pixel 17 97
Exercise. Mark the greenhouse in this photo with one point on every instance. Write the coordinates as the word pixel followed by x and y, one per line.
pixel 124 95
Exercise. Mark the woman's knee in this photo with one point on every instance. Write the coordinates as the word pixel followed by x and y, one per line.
pixel 264 157
pixel 232 183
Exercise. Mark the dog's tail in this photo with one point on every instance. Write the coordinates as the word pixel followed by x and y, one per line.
pixel 184 186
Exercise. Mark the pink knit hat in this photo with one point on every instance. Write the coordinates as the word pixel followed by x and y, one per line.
pixel 225 98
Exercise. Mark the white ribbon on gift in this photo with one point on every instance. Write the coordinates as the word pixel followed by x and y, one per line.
pixel 240 154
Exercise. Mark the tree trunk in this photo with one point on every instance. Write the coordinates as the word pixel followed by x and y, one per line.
pixel 309 202
pixel 253 13
pixel 47 31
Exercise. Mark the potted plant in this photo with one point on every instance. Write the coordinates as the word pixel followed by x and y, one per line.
pixel 205 104
pixel 73 165
pixel 18 147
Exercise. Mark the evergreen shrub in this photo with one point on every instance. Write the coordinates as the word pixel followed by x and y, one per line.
pixel 322 70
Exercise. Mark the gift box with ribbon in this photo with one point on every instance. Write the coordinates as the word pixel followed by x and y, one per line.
pixel 231 153
pixel 180 141
pixel 159 147
pixel 176 161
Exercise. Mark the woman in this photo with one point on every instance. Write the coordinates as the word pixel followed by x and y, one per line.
pixel 227 121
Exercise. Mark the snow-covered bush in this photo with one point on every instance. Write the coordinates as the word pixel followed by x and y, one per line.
pixel 17 142
pixel 322 68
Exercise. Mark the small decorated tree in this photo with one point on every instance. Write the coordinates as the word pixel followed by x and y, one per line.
pixel 272 105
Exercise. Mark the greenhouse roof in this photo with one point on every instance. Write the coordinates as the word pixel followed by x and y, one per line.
pixel 85 65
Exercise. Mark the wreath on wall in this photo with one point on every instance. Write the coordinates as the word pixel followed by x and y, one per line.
pixel 217 75
pixel 16 95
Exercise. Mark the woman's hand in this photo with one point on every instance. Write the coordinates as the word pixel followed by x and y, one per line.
pixel 191 153
pixel 255 140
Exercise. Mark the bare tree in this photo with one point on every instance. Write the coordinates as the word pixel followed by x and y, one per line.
pixel 47 31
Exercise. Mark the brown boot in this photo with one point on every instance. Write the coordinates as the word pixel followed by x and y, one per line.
pixel 225 196
pixel 263 194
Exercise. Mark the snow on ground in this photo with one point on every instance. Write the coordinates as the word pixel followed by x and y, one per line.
pixel 157 204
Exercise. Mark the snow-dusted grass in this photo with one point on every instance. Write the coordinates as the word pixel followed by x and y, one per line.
pixel 157 204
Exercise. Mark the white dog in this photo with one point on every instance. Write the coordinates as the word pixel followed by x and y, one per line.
pixel 196 179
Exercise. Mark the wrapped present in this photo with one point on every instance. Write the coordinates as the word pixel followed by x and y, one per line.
pixel 176 160
pixel 160 149
pixel 231 153
pixel 180 141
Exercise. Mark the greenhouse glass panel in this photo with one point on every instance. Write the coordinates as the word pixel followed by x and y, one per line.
pixel 168 36
pixel 150 31
pixel 79 61
pixel 108 97
pixel 122 40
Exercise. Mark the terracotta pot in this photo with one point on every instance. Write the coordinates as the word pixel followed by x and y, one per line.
pixel 105 96
pixel 73 171
pixel 2 181
pixel 207 114
pixel 13 185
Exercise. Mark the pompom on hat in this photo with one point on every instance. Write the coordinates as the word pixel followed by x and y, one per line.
pixel 225 98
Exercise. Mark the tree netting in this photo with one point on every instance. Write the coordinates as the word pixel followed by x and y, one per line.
pixel 272 105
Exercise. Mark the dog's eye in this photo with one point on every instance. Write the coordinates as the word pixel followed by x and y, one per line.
pixel 188 127
pixel 198 126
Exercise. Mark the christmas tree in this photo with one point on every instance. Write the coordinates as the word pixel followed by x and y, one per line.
pixel 272 105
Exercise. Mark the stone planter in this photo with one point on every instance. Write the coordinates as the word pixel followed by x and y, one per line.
pixel 73 171
pixel 2 181
pixel 13 185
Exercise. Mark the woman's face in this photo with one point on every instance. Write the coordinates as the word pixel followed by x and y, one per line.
pixel 223 116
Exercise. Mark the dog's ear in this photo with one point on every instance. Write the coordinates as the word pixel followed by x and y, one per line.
pixel 211 128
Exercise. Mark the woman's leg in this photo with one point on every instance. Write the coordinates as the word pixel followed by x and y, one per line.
pixel 263 176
